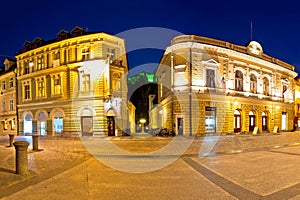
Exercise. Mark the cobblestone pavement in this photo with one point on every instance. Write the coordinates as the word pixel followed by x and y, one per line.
pixel 213 167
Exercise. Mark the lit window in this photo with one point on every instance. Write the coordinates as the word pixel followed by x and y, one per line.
pixel 284 91
pixel 56 57
pixel 11 82
pixel 253 83
pixel 4 85
pixel 26 90
pixel 56 84
pixel 266 86
pixel 5 125
pixel 26 67
pixel 40 63
pixel 85 82
pixel 13 124
pixel 210 78
pixel 110 55
pixel 41 87
pixel 3 106
pixel 238 81
pixel 11 104
pixel 85 53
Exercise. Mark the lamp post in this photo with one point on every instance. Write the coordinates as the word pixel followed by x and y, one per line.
pixel 143 121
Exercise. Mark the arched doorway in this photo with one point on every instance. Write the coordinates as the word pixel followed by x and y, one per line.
pixel 86 122
pixel 264 121
pixel 42 124
pixel 27 125
pixel 251 121
pixel 111 122
pixel 237 121
pixel 58 126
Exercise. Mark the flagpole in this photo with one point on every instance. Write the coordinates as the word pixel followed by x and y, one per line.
pixel 251 30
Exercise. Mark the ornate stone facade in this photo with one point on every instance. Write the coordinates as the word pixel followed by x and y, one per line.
pixel 8 96
pixel 212 86
pixel 65 83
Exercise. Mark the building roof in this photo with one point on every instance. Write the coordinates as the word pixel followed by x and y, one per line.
pixel 62 35
pixel 253 48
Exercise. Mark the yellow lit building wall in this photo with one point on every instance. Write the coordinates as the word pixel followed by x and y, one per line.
pixel 229 85
pixel 8 96
pixel 78 75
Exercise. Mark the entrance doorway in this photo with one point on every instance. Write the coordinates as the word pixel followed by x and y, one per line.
pixel 87 125
pixel 111 126
pixel 179 126
pixel 237 121
pixel 210 119
pixel 251 121
pixel 264 121
pixel 283 120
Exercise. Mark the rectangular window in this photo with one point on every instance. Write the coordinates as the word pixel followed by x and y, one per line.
pixel 13 125
pixel 3 85
pixel 11 82
pixel 56 57
pixel 110 55
pixel 56 85
pixel 26 67
pixel 85 53
pixel 3 106
pixel 5 125
pixel 84 82
pixel 11 104
pixel 210 78
pixel 41 87
pixel 40 63
pixel 26 91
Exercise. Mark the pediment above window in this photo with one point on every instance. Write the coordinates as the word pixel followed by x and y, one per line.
pixel 210 62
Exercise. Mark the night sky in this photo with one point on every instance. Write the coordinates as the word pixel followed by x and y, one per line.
pixel 276 25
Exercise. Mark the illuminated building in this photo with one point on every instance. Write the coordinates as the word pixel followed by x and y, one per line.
pixel 213 86
pixel 8 114
pixel 297 103
pixel 73 84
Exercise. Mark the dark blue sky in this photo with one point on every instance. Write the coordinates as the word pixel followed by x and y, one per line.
pixel 276 25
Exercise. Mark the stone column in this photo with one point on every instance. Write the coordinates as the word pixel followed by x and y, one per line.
pixel 21 157
pixel 35 142
pixel 11 139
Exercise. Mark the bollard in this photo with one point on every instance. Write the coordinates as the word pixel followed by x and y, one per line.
pixel 11 139
pixel 21 157
pixel 35 142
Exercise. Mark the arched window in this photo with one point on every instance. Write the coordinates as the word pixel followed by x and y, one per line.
pixel 253 83
pixel 239 81
pixel 266 86
pixel 42 124
pixel 27 123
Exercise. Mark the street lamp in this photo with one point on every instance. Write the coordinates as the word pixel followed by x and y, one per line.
pixel 142 121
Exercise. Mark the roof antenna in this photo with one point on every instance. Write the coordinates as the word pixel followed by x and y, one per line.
pixel 251 30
